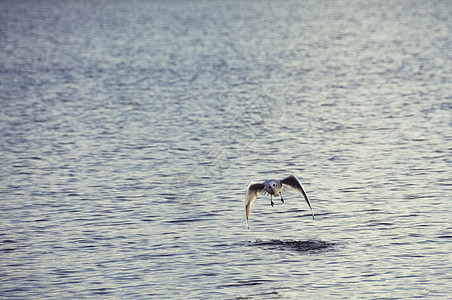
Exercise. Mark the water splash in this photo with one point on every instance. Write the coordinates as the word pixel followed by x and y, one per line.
pixel 291 245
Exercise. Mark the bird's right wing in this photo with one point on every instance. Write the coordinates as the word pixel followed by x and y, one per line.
pixel 254 189
pixel 294 183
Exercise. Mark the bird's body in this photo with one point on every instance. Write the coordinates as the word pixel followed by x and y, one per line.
pixel 273 188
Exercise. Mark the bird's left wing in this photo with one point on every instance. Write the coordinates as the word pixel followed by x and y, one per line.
pixel 254 189
pixel 294 183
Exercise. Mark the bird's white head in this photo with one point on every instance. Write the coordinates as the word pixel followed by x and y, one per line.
pixel 273 187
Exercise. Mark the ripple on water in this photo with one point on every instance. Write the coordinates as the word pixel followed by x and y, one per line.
pixel 291 245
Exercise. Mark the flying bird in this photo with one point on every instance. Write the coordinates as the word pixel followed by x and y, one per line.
pixel 273 188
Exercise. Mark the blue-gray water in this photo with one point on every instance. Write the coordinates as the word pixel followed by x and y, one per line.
pixel 129 131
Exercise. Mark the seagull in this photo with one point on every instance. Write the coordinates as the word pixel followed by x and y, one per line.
pixel 273 188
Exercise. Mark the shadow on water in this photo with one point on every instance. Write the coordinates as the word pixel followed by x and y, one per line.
pixel 291 245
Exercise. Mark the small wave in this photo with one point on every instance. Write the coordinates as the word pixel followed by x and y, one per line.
pixel 299 246
pixel 247 282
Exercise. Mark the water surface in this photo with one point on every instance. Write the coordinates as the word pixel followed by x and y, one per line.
pixel 129 132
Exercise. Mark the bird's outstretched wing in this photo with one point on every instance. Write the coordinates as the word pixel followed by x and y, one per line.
pixel 294 183
pixel 254 189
